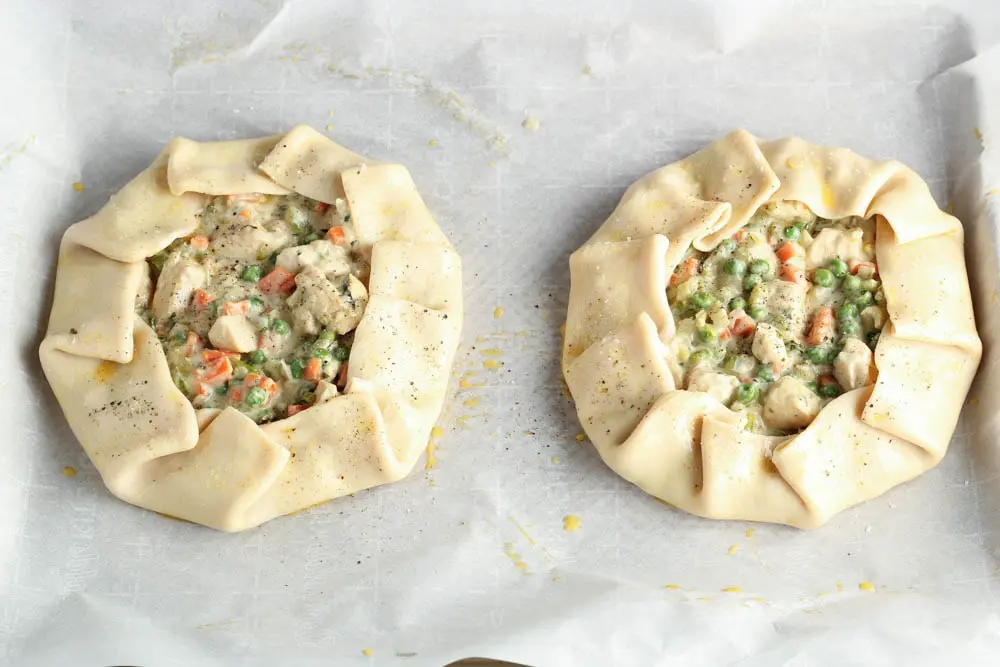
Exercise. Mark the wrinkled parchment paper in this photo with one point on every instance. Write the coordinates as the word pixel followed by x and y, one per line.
pixel 522 123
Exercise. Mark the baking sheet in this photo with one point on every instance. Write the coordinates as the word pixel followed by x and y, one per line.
pixel 522 123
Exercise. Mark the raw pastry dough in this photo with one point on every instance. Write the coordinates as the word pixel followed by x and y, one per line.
pixel 218 467
pixel 689 449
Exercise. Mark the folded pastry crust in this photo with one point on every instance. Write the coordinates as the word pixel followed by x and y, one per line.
pixel 110 375
pixel 685 447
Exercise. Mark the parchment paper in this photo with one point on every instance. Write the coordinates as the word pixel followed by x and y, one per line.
pixel 522 123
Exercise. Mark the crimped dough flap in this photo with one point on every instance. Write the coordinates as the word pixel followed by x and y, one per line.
pixel 221 167
pixel 307 162
pixel 93 310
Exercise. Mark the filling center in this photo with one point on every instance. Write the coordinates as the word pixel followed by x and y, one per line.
pixel 781 318
pixel 256 309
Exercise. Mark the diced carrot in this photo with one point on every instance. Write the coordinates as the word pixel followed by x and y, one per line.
pixel 740 235
pixel 336 235
pixel 245 213
pixel 217 371
pixel 296 408
pixel 236 308
pixel 199 241
pixel 743 326
pixel 279 281
pixel 192 345
pixel 793 273
pixel 342 375
pixel 269 385
pixel 824 380
pixel 201 299
pixel 685 270
pixel 212 356
pixel 821 329
pixel 237 394
pixel 202 390
pixel 321 207
pixel 312 370
pixel 854 266
pixel 724 334
pixel 785 251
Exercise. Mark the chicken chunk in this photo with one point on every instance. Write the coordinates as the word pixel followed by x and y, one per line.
pixel 249 243
pixel 325 391
pixel 790 404
pixel 233 332
pixel 786 301
pixel 717 385
pixel 769 348
pixel 320 303
pixel 830 243
pixel 853 366
pixel 330 259
pixel 788 210
pixel 178 280
pixel 874 317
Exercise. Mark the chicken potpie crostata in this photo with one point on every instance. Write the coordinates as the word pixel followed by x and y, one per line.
pixel 249 328
pixel 771 331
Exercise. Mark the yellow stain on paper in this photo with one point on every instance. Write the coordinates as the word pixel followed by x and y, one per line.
pixel 69 471
pixel 732 589
pixel 733 549
pixel 531 124
pixel 571 523
pixel 977 133
pixel 840 585
pixel 750 532
pixel 366 652
pixel 522 530
pixel 78 186
pixel 580 437
pixel 492 364
pixel 515 557
pixel 431 459
pixel 471 403
pixel 673 587
pixel 433 143
pixel 497 312
pixel 437 432
pixel 105 370
pixel 491 352
pixel 866 586
pixel 555 459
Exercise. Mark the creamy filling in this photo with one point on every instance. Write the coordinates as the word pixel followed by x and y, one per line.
pixel 781 318
pixel 256 309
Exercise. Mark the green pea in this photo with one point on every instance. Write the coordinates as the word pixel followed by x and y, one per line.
pixel 257 303
pixel 737 303
pixel 326 335
pixel 757 312
pixel 852 284
pixel 849 328
pixel 341 353
pixel 815 355
pixel 321 353
pixel 759 266
pixel 702 300
pixel 221 390
pixel 838 268
pixel 729 362
pixel 728 245
pixel 699 356
pixel 256 397
pixel 765 373
pixel 257 357
pixel 735 266
pixel 280 327
pixel 823 277
pixel 792 233
pixel 706 335
pixel 747 392
pixel 872 338
pixel 848 311
pixel 830 390
pixel 251 273
pixel 296 367
pixel 864 300
pixel 751 281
